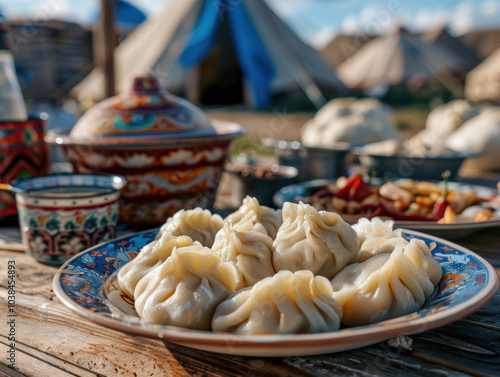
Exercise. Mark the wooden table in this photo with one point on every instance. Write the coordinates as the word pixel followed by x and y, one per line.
pixel 53 341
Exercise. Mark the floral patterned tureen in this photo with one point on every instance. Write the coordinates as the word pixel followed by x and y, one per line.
pixel 171 154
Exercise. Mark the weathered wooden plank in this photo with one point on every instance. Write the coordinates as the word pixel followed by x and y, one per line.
pixel 485 243
pixel 488 315
pixel 30 362
pixel 377 360
pixel 6 371
pixel 205 363
pixel 70 341
pixel 481 357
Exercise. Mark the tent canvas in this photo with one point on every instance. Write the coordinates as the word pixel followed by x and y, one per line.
pixel 395 59
pixel 274 54
pixel 483 82
pixel 442 39
pixel 342 47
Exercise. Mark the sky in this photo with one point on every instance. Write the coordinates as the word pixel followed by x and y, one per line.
pixel 316 21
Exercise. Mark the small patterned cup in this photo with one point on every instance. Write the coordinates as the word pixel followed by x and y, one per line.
pixel 62 215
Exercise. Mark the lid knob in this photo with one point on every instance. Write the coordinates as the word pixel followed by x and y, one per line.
pixel 146 85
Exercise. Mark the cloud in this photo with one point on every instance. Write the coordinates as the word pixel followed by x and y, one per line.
pixel 323 37
pixel 462 17
pixel 428 19
pixel 489 7
pixel 42 10
pixel 371 20
pixel 151 7
pixel 350 25
pixel 470 15
pixel 287 8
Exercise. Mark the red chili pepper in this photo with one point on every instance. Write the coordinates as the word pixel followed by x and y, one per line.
pixel 441 204
pixel 355 189
pixel 439 209
pixel 360 190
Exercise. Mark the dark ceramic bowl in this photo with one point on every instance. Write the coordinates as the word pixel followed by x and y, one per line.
pixel 250 180
pixel 311 162
pixel 414 167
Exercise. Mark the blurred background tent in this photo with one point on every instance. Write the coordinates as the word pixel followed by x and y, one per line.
pixel 342 47
pixel 441 38
pixel 399 58
pixel 219 52
pixel 483 82
pixel 483 41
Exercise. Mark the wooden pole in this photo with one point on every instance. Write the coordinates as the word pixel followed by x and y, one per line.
pixel 106 43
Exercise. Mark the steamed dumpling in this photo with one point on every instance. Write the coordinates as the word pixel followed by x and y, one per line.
pixel 196 223
pixel 387 285
pixel 248 249
pixel 150 256
pixel 376 237
pixel 286 303
pixel 313 240
pixel 252 211
pixel 185 289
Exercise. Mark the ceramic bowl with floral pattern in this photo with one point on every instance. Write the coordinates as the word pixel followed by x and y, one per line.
pixel 62 215
pixel 170 153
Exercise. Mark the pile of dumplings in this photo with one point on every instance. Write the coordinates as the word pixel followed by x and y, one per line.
pixel 266 271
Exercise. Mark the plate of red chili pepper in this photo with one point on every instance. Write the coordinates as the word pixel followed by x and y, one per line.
pixel 437 207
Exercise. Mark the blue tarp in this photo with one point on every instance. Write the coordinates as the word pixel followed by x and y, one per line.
pixel 4 33
pixel 126 15
pixel 253 58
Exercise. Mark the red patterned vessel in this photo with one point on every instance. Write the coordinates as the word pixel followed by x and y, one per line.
pixel 170 153
pixel 23 154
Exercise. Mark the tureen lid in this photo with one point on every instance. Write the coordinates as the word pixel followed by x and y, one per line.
pixel 145 110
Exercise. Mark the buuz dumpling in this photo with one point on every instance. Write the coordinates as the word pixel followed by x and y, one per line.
pixel 185 289
pixel 286 303
pixel 376 237
pixel 387 285
pixel 248 249
pixel 252 211
pixel 150 256
pixel 318 241
pixel 201 225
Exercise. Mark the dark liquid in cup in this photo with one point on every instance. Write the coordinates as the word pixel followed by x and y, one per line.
pixel 66 190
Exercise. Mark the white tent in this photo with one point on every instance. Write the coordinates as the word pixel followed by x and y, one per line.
pixel 157 45
pixel 483 82
pixel 396 59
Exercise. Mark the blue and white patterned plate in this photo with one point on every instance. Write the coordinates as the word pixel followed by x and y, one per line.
pixel 83 284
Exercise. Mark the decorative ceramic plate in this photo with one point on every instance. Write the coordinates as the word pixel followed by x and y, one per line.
pixel 86 285
pixel 455 230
